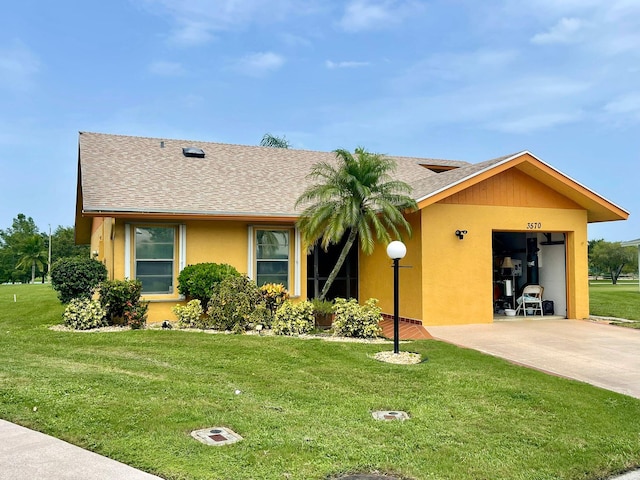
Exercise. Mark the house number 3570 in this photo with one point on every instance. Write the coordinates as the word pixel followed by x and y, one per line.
pixel 534 226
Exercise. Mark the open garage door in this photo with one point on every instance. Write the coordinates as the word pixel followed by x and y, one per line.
pixel 528 258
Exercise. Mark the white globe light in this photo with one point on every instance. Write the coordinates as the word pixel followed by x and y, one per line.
pixel 396 250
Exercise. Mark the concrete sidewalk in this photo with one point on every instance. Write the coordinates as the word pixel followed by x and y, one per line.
pixel 27 455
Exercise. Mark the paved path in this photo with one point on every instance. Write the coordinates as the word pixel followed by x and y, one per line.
pixel 29 455
pixel 599 354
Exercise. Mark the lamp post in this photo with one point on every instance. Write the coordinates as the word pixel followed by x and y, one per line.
pixel 49 262
pixel 396 250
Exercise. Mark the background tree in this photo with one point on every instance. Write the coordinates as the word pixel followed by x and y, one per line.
pixel 11 244
pixel 32 255
pixel 612 258
pixel 63 244
pixel 269 140
pixel 354 196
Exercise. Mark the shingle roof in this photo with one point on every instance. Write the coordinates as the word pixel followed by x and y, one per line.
pixel 137 174
pixel 425 187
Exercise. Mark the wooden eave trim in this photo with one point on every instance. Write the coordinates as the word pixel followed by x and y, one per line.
pixel 186 216
pixel 514 161
pixel 470 181
pixel 578 187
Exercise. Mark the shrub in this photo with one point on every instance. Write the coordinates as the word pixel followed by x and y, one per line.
pixel 189 315
pixel 135 315
pixel 84 313
pixel 76 277
pixel 233 304
pixel 198 281
pixel 353 320
pixel 294 318
pixel 274 295
pixel 118 297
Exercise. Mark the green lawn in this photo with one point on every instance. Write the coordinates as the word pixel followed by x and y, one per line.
pixel 305 408
pixel 621 300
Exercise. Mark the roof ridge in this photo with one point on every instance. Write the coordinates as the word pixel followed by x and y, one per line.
pixel 405 157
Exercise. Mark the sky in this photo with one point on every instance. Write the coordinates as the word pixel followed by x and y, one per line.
pixel 454 79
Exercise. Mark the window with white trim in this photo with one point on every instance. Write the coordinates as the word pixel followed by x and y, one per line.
pixel 154 257
pixel 272 256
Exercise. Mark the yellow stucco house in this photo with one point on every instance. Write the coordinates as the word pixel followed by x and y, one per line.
pixel 151 206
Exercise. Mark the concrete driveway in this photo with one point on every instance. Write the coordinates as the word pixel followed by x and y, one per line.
pixel 603 355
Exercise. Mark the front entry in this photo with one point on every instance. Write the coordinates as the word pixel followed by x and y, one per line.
pixel 320 264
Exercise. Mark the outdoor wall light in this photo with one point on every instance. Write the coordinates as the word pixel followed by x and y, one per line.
pixel 461 233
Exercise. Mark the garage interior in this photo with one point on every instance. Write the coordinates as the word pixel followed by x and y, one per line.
pixel 529 258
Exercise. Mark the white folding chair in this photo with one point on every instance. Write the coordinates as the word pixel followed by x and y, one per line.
pixel 531 298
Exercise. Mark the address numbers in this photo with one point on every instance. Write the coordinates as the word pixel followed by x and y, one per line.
pixel 534 225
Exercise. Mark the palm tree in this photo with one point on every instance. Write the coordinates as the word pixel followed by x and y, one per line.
pixel 32 253
pixel 356 196
pixel 269 140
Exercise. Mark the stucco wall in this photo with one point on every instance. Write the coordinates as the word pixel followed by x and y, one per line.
pixel 376 275
pixel 457 275
pixel 206 241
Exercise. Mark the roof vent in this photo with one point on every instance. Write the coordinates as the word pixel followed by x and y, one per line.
pixel 193 152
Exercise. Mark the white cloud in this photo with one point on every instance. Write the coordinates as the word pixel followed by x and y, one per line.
pixel 362 15
pixel 531 123
pixel 166 69
pixel 473 66
pixel 628 104
pixel 196 22
pixel 345 64
pixel 601 27
pixel 565 31
pixel 18 66
pixel 295 40
pixel 259 64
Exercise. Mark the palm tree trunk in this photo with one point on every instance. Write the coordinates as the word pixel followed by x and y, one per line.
pixel 33 272
pixel 343 255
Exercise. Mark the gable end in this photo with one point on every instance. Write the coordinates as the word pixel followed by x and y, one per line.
pixel 511 188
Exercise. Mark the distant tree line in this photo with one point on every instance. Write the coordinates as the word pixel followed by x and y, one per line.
pixel 24 250
pixel 611 259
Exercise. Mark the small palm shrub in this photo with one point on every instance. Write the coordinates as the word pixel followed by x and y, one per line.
pixel 198 281
pixel 189 315
pixel 354 320
pixel 323 312
pixel 274 295
pixel 119 297
pixel 233 304
pixel 76 277
pixel 84 314
pixel 294 318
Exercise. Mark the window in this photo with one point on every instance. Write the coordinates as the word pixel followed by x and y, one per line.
pixel 154 258
pixel 272 257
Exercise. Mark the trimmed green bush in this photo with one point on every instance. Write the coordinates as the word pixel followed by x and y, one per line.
pixel 198 281
pixel 354 320
pixel 233 304
pixel 76 277
pixel 294 318
pixel 189 315
pixel 118 297
pixel 84 314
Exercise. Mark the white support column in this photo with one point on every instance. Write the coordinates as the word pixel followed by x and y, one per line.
pixel 182 245
pixel 296 266
pixel 127 250
pixel 250 253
